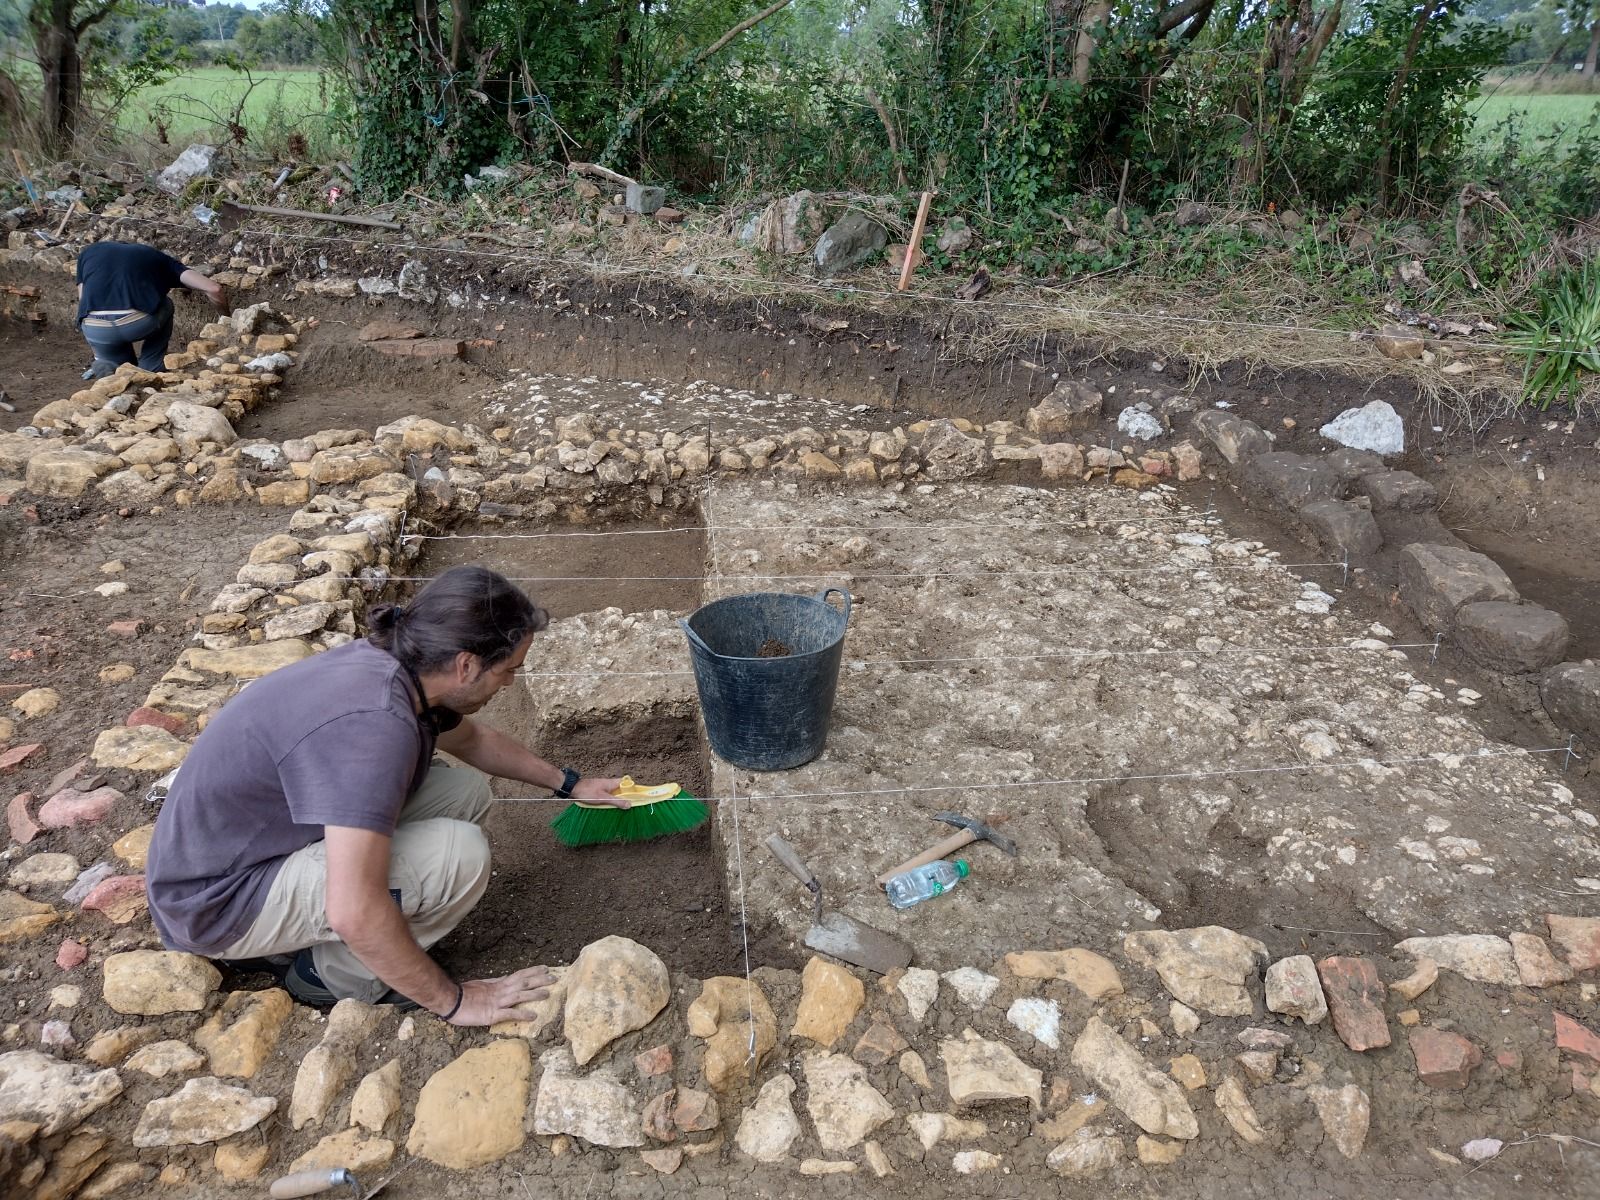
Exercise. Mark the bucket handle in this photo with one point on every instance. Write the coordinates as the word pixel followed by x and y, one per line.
pixel 695 638
pixel 828 591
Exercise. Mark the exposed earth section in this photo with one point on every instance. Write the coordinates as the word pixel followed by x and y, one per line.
pixel 1295 909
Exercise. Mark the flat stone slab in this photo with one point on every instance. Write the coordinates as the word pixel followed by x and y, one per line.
pixel 1435 581
pixel 1108 638
pixel 1517 638
pixel 1570 693
pixel 1291 480
pixel 435 349
pixel 1342 527
pixel 610 666
pixel 1397 491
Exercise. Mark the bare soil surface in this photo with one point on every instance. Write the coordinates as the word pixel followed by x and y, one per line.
pixel 54 627
pixel 38 366
pixel 547 901
pixel 45 363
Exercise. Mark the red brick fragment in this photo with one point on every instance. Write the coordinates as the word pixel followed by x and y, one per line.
pixel 131 628
pixel 384 331
pixel 145 715
pixel 70 807
pixel 1355 1002
pixel 434 348
pixel 71 954
pixel 1577 1039
pixel 20 821
pixel 1510 1060
pixel 657 1061
pixel 120 898
pixel 17 755
pixel 1444 1060
pixel 1159 467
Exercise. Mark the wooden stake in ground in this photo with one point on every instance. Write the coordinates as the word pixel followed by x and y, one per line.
pixel 67 216
pixel 916 240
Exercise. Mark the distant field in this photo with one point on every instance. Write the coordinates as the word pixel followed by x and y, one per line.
pixel 1540 113
pixel 197 104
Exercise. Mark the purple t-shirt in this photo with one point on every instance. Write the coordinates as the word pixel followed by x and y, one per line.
pixel 331 740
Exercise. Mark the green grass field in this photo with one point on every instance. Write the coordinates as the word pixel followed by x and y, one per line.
pixel 197 105
pixel 1541 114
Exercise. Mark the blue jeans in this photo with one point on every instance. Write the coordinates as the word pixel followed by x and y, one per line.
pixel 113 343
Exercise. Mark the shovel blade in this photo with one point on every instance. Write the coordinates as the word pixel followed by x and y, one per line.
pixel 848 940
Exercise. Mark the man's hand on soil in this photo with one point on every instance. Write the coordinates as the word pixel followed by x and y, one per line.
pixel 488 1001
pixel 598 791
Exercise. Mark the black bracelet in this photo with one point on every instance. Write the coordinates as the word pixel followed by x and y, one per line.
pixel 569 780
pixel 461 993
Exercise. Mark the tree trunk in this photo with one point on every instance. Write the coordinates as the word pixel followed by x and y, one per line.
pixel 56 44
pixel 460 34
pixel 1592 58
pixel 1094 16
pixel 1396 89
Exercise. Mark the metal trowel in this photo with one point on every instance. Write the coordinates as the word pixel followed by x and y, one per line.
pixel 837 935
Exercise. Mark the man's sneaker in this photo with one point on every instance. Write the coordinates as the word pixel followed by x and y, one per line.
pixel 303 983
pixel 272 964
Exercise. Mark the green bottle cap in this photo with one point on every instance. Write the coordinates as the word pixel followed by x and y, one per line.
pixel 962 869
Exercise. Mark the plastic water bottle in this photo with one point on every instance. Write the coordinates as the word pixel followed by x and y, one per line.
pixel 924 882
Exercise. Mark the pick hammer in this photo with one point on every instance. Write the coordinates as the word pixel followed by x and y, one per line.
pixel 971 830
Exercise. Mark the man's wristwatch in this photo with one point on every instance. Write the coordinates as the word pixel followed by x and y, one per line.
pixel 569 780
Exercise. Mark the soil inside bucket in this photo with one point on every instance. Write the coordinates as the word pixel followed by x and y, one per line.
pixel 773 648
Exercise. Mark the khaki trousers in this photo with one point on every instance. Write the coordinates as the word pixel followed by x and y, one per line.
pixel 438 870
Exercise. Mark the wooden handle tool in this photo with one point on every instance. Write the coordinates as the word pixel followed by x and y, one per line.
pixel 945 848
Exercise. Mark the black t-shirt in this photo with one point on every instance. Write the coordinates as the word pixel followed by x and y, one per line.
pixel 118 276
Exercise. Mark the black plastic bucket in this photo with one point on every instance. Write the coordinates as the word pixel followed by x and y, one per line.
pixel 767 714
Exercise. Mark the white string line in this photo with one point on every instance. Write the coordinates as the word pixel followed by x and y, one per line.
pixel 381 581
pixel 738 832
pixel 1126 652
pixel 1438 756
pixel 1253 564
pixel 831 289
pixel 1069 523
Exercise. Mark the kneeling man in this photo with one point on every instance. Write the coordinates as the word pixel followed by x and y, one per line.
pixel 310 818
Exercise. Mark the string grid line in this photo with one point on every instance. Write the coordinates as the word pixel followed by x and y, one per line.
pixel 1440 757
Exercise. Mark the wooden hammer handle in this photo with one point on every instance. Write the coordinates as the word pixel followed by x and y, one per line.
pixel 947 847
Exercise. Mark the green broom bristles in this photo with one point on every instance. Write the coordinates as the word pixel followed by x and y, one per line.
pixel 583 825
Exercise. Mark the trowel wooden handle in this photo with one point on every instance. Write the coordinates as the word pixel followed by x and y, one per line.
pixel 784 853
pixel 310 1183
pixel 945 848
